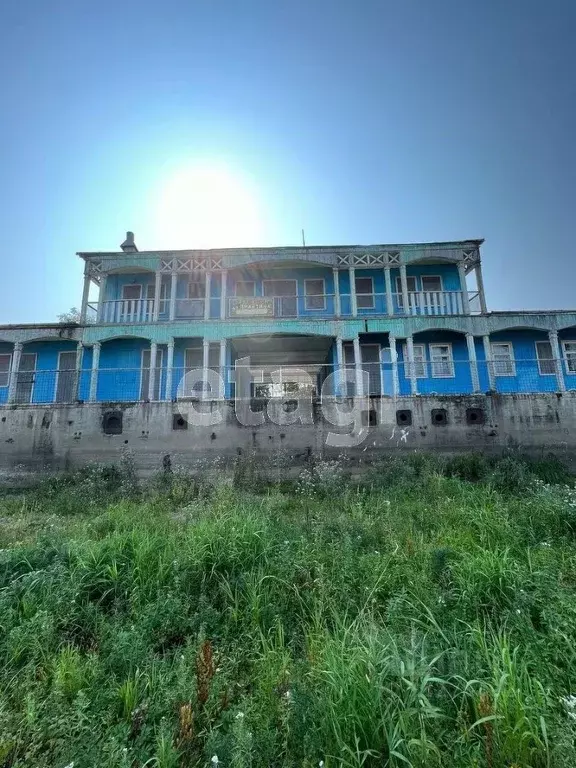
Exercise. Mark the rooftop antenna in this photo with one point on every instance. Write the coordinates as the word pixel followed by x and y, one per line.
pixel 303 240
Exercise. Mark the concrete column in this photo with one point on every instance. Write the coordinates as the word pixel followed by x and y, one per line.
pixel 353 299
pixel 556 354
pixel 169 370
pixel 394 361
pixel 79 356
pixel 339 390
pixel 222 363
pixel 489 363
pixel 480 287
pixel 223 299
pixel 173 285
pixel 94 371
pixel 85 292
pixel 389 296
pixel 14 368
pixel 207 296
pixel 358 367
pixel 157 290
pixel 464 288
pixel 473 362
pixel 411 366
pixel 101 296
pixel 205 359
pixel 152 372
pixel 404 284
pixel 337 306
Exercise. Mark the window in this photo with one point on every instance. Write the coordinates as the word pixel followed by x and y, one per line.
pixel 570 355
pixel 245 288
pixel 5 370
pixel 431 283
pixel 441 359
pixel 196 289
pixel 503 359
pixel 145 379
pixel 546 364
pixel 419 361
pixel 411 282
pixel 132 292
pixel 364 292
pixel 150 291
pixel 314 292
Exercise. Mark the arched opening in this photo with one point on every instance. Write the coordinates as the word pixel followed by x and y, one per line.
pixel 126 371
pixel 280 365
pixel 441 364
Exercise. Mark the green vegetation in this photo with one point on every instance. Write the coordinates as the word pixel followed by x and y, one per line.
pixel 423 614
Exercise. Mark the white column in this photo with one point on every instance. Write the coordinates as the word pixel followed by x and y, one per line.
pixel 389 297
pixel 353 300
pixel 339 390
pixel 473 362
pixel 222 363
pixel 556 354
pixel 14 368
pixel 480 287
pixel 489 363
pixel 101 295
pixel 94 371
pixel 394 361
pixel 152 372
pixel 464 288
pixel 157 289
pixel 207 296
pixel 411 366
pixel 358 367
pixel 169 369
pixel 85 292
pixel 223 299
pixel 337 306
pixel 205 359
pixel 404 284
pixel 173 285
pixel 79 356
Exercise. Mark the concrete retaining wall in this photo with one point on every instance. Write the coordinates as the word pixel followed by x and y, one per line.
pixel 36 438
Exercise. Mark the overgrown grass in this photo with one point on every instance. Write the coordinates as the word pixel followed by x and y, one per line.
pixel 423 614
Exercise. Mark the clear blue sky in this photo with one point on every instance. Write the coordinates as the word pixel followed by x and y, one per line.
pixel 362 122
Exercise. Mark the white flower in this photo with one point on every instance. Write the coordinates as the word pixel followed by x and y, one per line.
pixel 214 760
pixel 570 704
pixel 240 715
pixel 321 764
pixel 518 610
pixel 288 696
pixel 70 765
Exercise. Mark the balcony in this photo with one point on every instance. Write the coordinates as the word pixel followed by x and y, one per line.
pixel 325 306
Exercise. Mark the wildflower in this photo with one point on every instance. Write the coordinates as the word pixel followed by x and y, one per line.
pixel 70 765
pixel 240 716
pixel 215 760
pixel 288 696
pixel 518 611
pixel 570 704
pixel 321 764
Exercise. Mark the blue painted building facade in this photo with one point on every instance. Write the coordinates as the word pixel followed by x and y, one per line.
pixel 384 320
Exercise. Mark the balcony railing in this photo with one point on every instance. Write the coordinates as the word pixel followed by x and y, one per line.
pixel 420 303
pixel 439 377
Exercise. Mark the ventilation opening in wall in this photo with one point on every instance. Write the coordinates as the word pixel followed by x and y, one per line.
pixel 475 416
pixel 369 418
pixel 439 416
pixel 404 417
pixel 179 422
pixel 112 423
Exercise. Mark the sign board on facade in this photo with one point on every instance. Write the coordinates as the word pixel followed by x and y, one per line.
pixel 252 306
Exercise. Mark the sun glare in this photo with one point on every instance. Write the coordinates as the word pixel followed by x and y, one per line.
pixel 203 206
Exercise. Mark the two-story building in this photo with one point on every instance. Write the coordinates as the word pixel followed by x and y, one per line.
pixel 414 317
